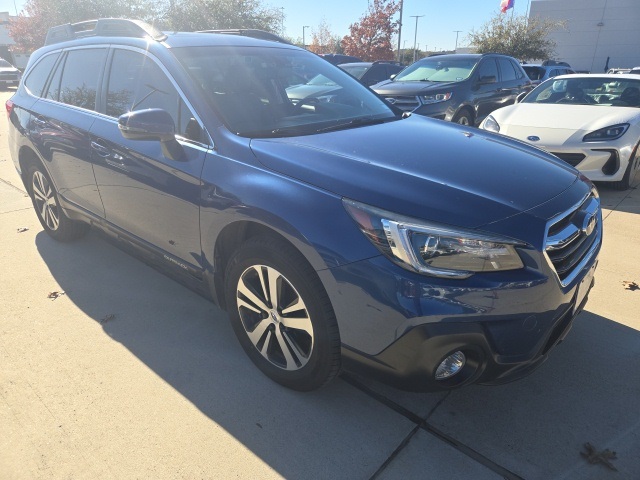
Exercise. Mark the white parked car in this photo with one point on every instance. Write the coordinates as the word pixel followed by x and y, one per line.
pixel 590 121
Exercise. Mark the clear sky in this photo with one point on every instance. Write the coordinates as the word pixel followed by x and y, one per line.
pixel 436 30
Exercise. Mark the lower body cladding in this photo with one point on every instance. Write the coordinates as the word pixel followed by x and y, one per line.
pixel 425 334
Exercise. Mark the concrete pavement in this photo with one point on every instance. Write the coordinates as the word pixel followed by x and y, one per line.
pixel 130 375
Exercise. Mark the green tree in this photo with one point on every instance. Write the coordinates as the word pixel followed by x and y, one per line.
pixel 192 15
pixel 519 36
pixel 370 38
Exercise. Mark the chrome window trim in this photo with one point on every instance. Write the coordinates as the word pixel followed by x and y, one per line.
pixel 201 146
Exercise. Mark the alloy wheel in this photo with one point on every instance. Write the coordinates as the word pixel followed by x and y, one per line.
pixel 45 200
pixel 275 317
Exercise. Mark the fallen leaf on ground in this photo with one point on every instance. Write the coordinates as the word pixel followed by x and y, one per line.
pixel 106 318
pixel 54 295
pixel 22 229
pixel 630 285
pixel 593 456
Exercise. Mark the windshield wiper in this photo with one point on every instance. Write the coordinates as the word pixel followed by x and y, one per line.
pixel 357 122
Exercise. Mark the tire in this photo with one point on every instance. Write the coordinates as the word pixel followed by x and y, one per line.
pixel 463 117
pixel 294 340
pixel 47 206
pixel 629 173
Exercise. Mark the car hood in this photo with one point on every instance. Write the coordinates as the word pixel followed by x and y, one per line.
pixel 9 70
pixel 557 124
pixel 395 87
pixel 423 168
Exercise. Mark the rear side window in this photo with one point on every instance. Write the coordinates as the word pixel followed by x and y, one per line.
pixel 519 73
pixel 79 83
pixel 39 74
pixel 488 68
pixel 508 73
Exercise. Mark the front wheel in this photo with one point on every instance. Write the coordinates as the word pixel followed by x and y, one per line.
pixel 47 205
pixel 281 314
pixel 629 173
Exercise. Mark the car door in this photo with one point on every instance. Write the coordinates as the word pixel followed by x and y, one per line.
pixel 146 194
pixel 509 84
pixel 487 88
pixel 60 123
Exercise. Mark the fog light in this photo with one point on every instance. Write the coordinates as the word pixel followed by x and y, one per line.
pixel 450 365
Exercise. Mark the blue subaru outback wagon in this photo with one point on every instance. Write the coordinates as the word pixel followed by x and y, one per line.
pixel 336 231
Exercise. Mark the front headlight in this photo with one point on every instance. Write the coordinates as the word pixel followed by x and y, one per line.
pixel 608 133
pixel 490 124
pixel 433 249
pixel 436 98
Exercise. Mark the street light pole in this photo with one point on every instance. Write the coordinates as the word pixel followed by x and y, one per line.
pixel 456 47
pixel 415 38
pixel 400 31
pixel 304 44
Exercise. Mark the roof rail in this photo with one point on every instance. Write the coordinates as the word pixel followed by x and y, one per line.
pixel 250 32
pixel 103 27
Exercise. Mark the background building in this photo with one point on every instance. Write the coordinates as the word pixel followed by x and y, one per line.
pixel 6 42
pixel 595 30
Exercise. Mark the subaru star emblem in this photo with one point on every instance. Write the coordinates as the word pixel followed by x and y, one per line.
pixel 589 225
pixel 533 138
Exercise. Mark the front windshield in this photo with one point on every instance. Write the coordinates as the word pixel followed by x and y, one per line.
pixel 438 69
pixel 592 90
pixel 4 63
pixel 258 93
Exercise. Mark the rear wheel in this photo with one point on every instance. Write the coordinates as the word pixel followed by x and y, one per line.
pixel 281 314
pixel 463 117
pixel 47 205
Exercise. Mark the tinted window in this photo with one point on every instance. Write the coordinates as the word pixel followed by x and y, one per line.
pixel 54 86
pixel 488 68
pixel 518 69
pixel 508 73
pixel 79 83
pixel 136 82
pixel 38 76
pixel 378 73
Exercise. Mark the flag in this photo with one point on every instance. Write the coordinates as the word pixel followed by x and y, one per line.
pixel 506 5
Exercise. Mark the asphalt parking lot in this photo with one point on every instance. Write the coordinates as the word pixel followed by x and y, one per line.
pixel 128 374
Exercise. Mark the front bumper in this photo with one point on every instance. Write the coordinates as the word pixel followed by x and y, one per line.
pixel 410 363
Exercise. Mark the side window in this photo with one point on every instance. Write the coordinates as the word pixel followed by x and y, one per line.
pixel 79 83
pixel 519 73
pixel 488 68
pixel 378 74
pixel 553 73
pixel 508 73
pixel 136 82
pixel 40 73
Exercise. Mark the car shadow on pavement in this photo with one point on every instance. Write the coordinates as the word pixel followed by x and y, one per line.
pixel 189 343
pixel 587 391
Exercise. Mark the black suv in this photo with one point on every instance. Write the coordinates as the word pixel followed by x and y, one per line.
pixel 370 73
pixel 458 88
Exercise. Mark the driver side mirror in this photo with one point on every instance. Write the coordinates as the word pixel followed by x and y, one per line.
pixel 152 124
pixel 393 76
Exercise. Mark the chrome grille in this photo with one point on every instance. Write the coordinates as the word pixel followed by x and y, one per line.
pixel 403 102
pixel 572 237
